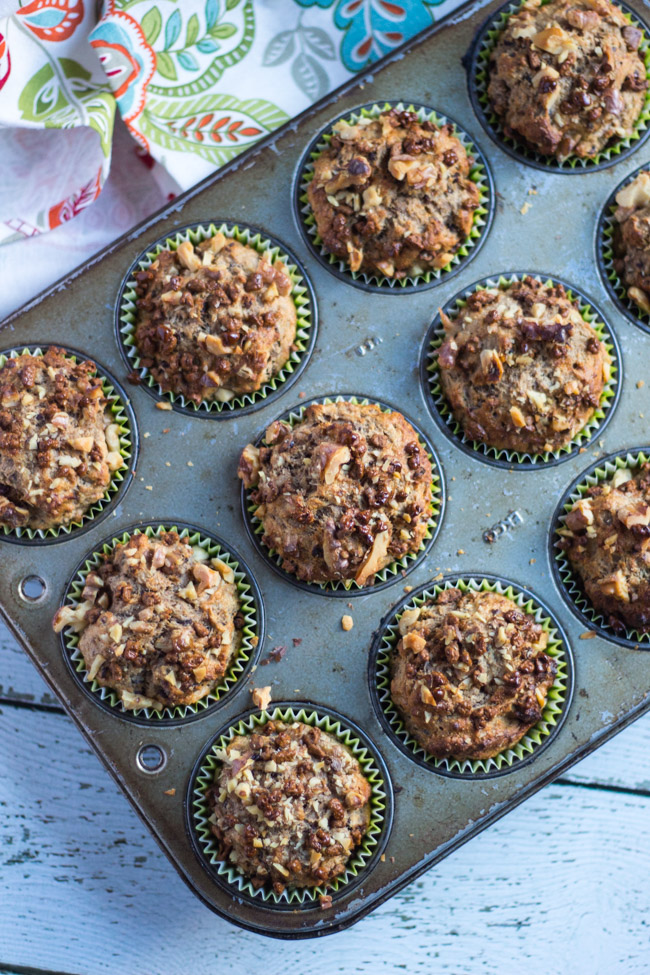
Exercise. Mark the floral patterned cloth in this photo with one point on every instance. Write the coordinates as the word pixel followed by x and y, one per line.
pixel 195 81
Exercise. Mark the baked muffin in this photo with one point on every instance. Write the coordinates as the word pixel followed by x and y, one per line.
pixel 520 368
pixel 392 196
pixel 341 494
pixel 632 239
pixel 214 319
pixel 290 805
pixel 606 539
pixel 566 78
pixel 470 676
pixel 59 445
pixel 159 621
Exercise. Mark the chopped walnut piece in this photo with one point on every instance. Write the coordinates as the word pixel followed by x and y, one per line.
pixel 261 697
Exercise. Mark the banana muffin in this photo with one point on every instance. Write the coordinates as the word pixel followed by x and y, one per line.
pixel 606 538
pixel 520 368
pixel 470 676
pixel 215 319
pixel 632 239
pixel 290 805
pixel 59 445
pixel 566 77
pixel 393 195
pixel 342 493
pixel 159 621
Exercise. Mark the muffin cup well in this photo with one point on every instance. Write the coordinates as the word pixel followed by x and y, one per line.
pixel 361 861
pixel 251 606
pixel 566 578
pixel 124 417
pixel 534 741
pixel 478 79
pixel 479 173
pixel 397 569
pixel 498 457
pixel 605 244
pixel 303 298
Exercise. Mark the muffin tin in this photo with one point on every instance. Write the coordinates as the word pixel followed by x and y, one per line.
pixel 497 522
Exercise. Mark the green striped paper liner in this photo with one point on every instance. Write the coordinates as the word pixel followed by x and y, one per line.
pixel 606 245
pixel 533 738
pixel 202 815
pixel 571 579
pixel 581 439
pixel 299 294
pixel 477 174
pixel 119 415
pixel 249 632
pixel 480 82
pixel 398 566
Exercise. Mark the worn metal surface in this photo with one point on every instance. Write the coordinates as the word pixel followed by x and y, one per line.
pixel 369 344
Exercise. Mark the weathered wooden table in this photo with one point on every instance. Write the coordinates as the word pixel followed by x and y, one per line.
pixel 560 885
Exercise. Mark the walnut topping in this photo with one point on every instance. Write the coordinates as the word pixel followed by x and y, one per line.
pixel 555 40
pixel 615 585
pixel 261 697
pixel 491 365
pixel 640 298
pixel 636 193
pixel 147 631
pixel 517 417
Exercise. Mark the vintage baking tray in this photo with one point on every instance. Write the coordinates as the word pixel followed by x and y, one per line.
pixel 496 522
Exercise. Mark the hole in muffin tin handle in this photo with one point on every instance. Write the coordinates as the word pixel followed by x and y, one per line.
pixel 32 589
pixel 151 759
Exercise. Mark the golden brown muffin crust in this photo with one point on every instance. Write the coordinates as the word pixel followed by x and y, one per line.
pixel 566 77
pixel 58 442
pixel 215 319
pixel 392 195
pixel 290 805
pixel 342 493
pixel 520 368
pixel 159 621
pixel 470 676
pixel 632 239
pixel 606 539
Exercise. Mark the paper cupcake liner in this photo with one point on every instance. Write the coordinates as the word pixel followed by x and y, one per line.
pixel 252 632
pixel 498 457
pixel 361 861
pixel 397 569
pixel 303 298
pixel 479 173
pixel 605 244
pixel 121 478
pixel 531 744
pixel 567 579
pixel 478 80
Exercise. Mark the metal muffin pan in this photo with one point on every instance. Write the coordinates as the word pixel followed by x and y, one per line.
pixel 369 343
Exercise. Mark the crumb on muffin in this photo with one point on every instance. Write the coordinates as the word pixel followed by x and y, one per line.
pixel 566 77
pixel 632 239
pixel 214 319
pixel 59 444
pixel 393 195
pixel 606 539
pixel 470 676
pixel 520 368
pixel 342 493
pixel 158 623
pixel 290 805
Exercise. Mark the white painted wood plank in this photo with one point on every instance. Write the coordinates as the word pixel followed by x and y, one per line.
pixel 623 762
pixel 84 889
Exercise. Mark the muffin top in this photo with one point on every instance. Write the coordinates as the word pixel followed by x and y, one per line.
pixel 290 805
pixel 58 442
pixel 606 539
pixel 566 77
pixel 470 675
pixel 214 319
pixel 392 196
pixel 520 368
pixel 341 494
pixel 632 239
pixel 159 621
